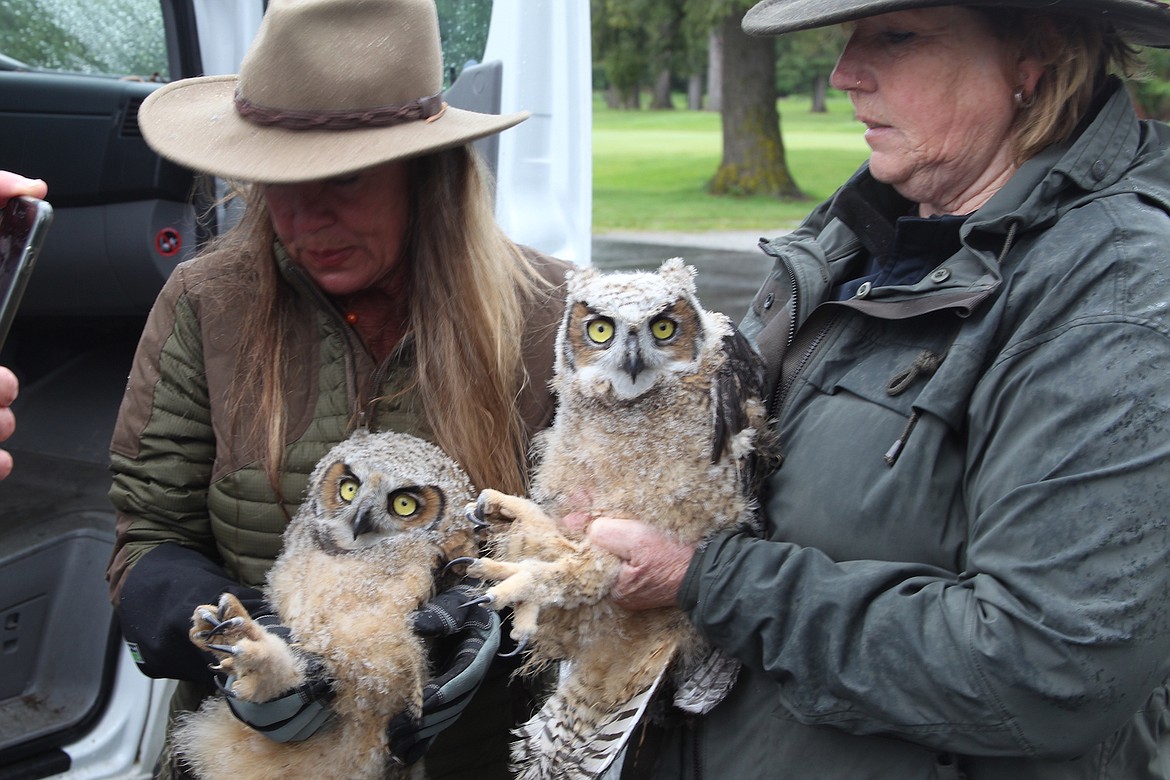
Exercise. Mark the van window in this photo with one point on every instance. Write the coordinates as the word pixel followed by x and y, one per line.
pixel 463 26
pixel 122 38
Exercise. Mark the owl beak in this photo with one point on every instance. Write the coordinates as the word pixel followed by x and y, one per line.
pixel 633 364
pixel 364 523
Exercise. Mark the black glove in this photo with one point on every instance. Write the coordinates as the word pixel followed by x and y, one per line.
pixel 467 638
pixel 296 714
pixel 154 610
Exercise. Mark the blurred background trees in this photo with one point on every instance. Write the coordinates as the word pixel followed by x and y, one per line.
pixel 662 54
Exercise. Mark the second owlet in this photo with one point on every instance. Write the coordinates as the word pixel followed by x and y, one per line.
pixel 659 418
pixel 382 517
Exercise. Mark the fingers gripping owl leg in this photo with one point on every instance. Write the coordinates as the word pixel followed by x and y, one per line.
pixel 264 665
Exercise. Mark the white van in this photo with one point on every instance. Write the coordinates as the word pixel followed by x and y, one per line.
pixel 72 75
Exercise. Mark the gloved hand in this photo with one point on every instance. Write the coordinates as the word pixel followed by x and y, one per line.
pixel 296 714
pixel 467 639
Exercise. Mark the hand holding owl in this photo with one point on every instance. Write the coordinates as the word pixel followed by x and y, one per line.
pixel 653 564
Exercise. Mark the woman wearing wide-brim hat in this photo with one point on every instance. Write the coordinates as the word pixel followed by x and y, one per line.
pixel 367 283
pixel 963 571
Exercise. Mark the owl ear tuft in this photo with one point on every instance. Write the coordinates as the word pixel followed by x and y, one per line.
pixel 677 272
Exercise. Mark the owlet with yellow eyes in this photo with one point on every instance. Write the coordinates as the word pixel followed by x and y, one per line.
pixel 383 515
pixel 659 418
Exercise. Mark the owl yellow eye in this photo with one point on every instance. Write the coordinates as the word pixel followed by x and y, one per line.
pixel 403 504
pixel 663 328
pixel 600 330
pixel 347 489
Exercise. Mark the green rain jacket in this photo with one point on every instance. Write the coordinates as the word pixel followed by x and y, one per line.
pixel 967 565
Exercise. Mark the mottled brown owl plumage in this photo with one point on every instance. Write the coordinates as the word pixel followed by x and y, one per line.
pixel 659 417
pixel 382 516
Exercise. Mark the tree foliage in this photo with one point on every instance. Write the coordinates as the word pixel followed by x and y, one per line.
pixel 1151 89
pixel 804 61
pixel 620 43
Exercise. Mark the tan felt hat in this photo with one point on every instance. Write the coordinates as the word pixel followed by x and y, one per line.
pixel 328 87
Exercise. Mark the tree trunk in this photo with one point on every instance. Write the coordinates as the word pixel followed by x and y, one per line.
pixel 695 92
pixel 661 93
pixel 753 151
pixel 623 99
pixel 612 98
pixel 820 90
pixel 715 71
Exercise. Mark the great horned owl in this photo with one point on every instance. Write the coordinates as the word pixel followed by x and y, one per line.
pixel 659 418
pixel 382 516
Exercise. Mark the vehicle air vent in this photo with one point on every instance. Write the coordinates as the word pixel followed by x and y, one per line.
pixel 130 127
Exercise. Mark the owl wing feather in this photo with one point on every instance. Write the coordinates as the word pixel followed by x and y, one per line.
pixel 740 378
pixel 737 405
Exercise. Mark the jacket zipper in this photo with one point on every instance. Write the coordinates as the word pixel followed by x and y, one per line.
pixel 693 725
pixel 358 408
pixel 791 368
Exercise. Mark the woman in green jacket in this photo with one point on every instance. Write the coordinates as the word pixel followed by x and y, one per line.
pixel 367 284
pixel 964 569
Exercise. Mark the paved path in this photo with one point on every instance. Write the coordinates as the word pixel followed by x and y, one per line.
pixel 730 266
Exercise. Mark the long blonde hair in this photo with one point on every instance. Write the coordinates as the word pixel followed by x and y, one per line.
pixel 469 284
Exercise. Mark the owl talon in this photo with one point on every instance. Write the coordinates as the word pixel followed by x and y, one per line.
pixel 519 649
pixel 486 598
pixel 474 514
pixel 229 649
pixel 226 625
pixel 464 560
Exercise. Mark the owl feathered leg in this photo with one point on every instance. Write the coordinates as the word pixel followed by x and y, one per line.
pixel 534 565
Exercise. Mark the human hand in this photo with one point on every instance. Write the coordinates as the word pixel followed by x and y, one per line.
pixel 13 184
pixel 8 390
pixel 653 564
pixel 475 631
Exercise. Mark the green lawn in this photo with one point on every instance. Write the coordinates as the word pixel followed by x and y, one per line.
pixel 650 168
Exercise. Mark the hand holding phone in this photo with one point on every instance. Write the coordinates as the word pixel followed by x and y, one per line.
pixel 23 223
pixel 8 390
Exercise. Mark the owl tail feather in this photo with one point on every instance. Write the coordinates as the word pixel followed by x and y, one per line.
pixel 569 741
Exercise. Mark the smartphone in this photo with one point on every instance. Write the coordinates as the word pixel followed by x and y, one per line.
pixel 23 223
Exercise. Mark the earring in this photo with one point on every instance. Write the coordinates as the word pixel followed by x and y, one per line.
pixel 1021 101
